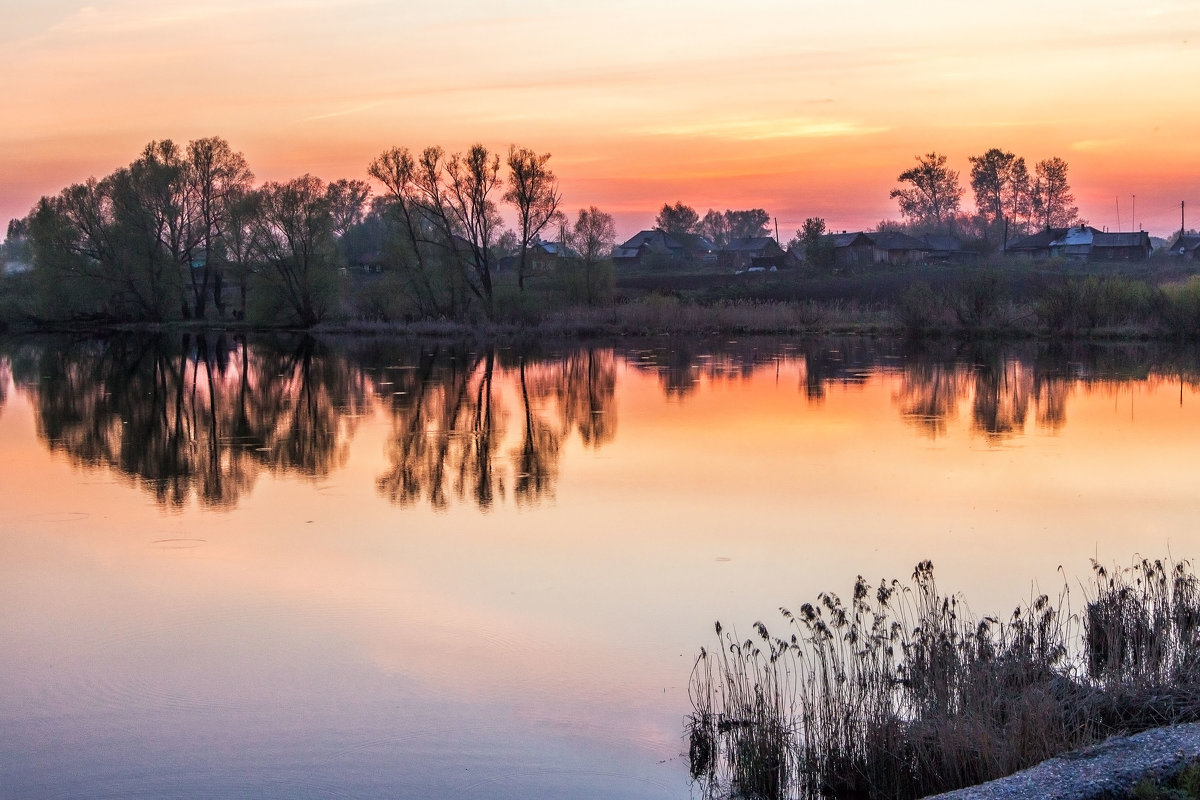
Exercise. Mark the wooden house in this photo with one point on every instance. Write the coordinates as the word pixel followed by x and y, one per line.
pixel 753 251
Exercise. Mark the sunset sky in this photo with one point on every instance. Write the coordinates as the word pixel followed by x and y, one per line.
pixel 803 108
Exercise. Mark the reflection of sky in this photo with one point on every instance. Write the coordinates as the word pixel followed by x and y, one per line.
pixel 318 639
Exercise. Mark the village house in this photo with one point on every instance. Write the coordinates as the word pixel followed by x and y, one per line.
pixel 851 249
pixel 1186 246
pixel 1083 243
pixel 753 252
pixel 898 249
pixel 655 247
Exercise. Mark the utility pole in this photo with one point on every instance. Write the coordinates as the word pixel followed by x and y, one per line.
pixel 777 231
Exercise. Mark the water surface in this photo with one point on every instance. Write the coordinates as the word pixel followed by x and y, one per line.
pixel 371 568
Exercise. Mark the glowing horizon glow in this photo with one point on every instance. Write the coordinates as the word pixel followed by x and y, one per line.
pixel 808 111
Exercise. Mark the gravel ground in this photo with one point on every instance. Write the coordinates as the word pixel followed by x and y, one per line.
pixel 1107 770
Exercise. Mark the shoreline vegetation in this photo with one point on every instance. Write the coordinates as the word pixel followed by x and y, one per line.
pixel 986 303
pixel 902 692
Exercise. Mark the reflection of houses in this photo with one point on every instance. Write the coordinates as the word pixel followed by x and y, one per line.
pixel 752 252
pixel 658 248
pixel 1186 246
pixel 1084 243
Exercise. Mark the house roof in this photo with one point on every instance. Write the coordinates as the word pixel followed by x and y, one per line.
pixel 1081 236
pixel 1135 239
pixel 1185 243
pixel 656 239
pixel 749 244
pixel 1038 241
pixel 845 239
pixel 943 243
pixel 888 240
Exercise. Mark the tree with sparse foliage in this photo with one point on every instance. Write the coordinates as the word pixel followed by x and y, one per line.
pixel 931 196
pixel 592 240
pixel 218 178
pixel 470 180
pixel 1053 201
pixel 677 219
pixel 533 191
pixel 299 223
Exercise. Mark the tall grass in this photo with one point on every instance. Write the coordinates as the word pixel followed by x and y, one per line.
pixel 901 692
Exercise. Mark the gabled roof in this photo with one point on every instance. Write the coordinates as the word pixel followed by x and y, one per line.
pixel 1185 243
pixel 749 244
pixel 656 239
pixel 888 240
pixel 1135 239
pixel 1081 236
pixel 845 239
pixel 943 243
pixel 1038 241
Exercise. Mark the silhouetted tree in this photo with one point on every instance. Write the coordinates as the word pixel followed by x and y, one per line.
pixel 932 193
pixel 533 191
pixel 1053 202
pixel 677 219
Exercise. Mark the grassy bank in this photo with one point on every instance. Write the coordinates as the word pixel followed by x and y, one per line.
pixel 1002 300
pixel 901 692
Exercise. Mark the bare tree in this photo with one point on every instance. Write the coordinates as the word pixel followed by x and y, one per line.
pixel 297 240
pixel 469 182
pixel 533 190
pixel 932 195
pixel 592 239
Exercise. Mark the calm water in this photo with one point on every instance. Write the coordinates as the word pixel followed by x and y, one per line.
pixel 385 569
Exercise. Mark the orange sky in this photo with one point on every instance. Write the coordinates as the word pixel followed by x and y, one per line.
pixel 803 109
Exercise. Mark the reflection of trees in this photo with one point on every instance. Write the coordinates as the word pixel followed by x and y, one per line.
pixel 929 394
pixel 199 416
pixel 450 424
pixel 446 431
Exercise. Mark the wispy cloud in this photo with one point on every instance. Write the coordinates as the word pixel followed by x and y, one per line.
pixel 343 112
pixel 1096 145
pixel 764 129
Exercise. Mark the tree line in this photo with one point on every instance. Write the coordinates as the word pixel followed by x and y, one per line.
pixel 184 233
pixel 1008 199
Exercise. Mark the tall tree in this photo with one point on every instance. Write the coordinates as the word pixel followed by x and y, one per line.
pixel 677 219
pixel 470 180
pixel 1053 202
pixel 932 193
pixel 218 178
pixel 297 241
pixel 533 191
pixel 1001 183
pixel 592 239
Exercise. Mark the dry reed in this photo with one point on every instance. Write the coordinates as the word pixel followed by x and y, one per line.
pixel 902 693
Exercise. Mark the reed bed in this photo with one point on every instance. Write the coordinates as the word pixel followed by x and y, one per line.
pixel 901 692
